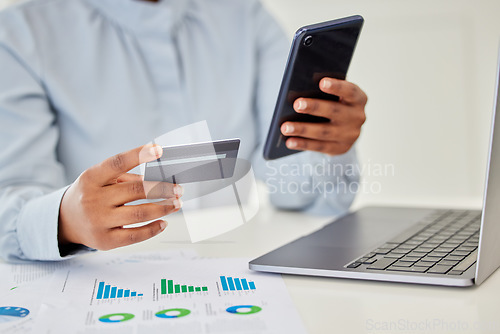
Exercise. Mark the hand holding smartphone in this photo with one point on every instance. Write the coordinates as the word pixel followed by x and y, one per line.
pixel 318 51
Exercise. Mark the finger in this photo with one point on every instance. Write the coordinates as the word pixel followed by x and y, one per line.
pixel 347 91
pixel 127 236
pixel 112 168
pixel 132 214
pixel 321 131
pixel 331 148
pixel 323 108
pixel 129 177
pixel 162 190
pixel 126 192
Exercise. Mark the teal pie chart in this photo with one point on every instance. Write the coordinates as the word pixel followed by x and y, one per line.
pixel 12 313
pixel 173 313
pixel 116 317
pixel 243 309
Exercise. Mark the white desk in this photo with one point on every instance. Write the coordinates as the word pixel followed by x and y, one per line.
pixel 347 306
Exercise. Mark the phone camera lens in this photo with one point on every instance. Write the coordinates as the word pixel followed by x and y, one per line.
pixel 308 40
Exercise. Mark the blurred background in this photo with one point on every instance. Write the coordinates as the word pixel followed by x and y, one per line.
pixel 428 68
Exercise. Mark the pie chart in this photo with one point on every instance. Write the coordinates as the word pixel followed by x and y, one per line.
pixel 116 317
pixel 173 313
pixel 243 309
pixel 12 313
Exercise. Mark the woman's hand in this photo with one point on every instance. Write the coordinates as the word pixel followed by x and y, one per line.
pixel 93 213
pixel 345 119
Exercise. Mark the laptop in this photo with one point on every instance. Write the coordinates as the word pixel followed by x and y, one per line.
pixel 408 245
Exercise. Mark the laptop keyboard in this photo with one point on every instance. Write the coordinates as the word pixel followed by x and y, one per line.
pixel 445 242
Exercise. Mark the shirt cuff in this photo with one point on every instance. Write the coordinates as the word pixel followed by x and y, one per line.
pixel 37 229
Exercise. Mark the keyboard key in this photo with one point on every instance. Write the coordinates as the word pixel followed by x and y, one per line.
pixel 418 269
pixel 438 238
pixel 416 254
pixel 431 244
pixel 400 251
pixel 410 258
pixel 455 272
pixel 354 265
pixel 466 248
pixel 435 242
pixel 402 264
pixel 444 249
pixel 437 254
pixel 423 249
pixel 423 264
pixel 382 251
pixel 412 242
pixel 451 244
pixel 408 269
pixel 448 262
pixel 395 256
pixel 382 263
pixel 369 261
pixel 406 247
pixel 457 240
pixel 460 253
pixel 454 258
pixel 439 269
pixel 430 259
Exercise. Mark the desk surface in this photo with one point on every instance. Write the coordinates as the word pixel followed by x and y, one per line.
pixel 341 305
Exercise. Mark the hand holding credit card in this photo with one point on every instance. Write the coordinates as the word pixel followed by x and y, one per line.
pixel 194 162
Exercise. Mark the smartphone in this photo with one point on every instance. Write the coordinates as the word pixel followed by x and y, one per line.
pixel 317 51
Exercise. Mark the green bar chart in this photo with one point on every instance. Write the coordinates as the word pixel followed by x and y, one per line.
pixel 169 287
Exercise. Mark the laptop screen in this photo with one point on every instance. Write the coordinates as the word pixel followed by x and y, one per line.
pixel 489 241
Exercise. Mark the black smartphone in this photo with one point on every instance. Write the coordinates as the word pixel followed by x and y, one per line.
pixel 317 51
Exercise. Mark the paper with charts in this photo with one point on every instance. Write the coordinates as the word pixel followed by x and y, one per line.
pixel 189 296
pixel 23 285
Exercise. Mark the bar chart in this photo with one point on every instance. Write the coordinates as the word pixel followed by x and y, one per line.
pixel 169 287
pixel 107 291
pixel 235 284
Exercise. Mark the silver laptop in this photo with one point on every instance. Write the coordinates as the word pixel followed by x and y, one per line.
pixel 410 245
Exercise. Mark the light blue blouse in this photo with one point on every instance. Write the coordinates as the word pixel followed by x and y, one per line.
pixel 81 80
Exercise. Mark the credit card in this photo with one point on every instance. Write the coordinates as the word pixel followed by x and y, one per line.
pixel 194 162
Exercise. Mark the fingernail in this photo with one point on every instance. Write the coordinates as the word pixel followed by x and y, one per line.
pixel 156 151
pixel 177 203
pixel 163 225
pixel 178 190
pixel 288 128
pixel 291 143
pixel 300 105
pixel 327 83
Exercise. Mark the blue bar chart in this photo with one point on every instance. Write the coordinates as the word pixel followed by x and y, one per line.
pixel 236 284
pixel 106 291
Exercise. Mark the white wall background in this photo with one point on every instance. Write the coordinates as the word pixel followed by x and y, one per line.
pixel 5 3
pixel 428 68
